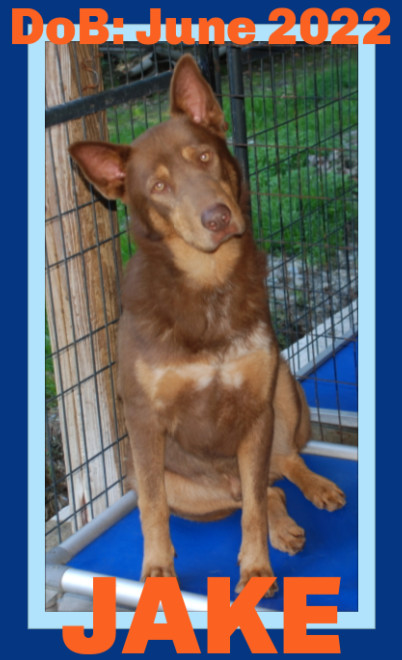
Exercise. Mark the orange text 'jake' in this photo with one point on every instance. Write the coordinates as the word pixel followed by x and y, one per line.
pixel 224 617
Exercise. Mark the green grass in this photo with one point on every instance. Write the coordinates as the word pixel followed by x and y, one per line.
pixel 308 108
pixel 50 385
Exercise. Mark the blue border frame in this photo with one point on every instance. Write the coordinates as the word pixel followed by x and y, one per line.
pixel 364 618
pixel 388 365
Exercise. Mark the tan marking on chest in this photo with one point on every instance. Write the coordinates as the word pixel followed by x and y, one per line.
pixel 246 364
pixel 164 384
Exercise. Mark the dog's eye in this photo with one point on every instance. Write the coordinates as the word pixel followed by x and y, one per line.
pixel 159 186
pixel 205 157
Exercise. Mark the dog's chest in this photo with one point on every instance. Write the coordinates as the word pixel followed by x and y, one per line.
pixel 244 364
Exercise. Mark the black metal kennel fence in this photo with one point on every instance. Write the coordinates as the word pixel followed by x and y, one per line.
pixel 292 114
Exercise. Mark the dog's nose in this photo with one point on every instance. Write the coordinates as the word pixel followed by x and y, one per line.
pixel 216 217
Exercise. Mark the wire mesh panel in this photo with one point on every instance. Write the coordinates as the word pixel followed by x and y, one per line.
pixel 298 139
pixel 292 114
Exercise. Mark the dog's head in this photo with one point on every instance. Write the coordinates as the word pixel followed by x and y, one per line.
pixel 178 178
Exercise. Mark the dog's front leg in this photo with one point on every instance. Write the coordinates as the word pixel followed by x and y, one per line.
pixel 147 446
pixel 253 460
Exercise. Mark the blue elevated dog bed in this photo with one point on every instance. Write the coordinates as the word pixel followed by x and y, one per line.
pixel 332 384
pixel 210 549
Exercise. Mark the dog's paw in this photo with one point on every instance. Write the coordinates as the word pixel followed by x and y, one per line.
pixel 327 495
pixel 157 571
pixel 286 535
pixel 247 574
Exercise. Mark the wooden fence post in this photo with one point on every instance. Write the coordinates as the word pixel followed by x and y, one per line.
pixel 82 293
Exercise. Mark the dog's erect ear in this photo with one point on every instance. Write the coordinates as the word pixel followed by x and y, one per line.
pixel 190 94
pixel 104 165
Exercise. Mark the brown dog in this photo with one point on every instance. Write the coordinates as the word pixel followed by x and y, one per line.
pixel 213 414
